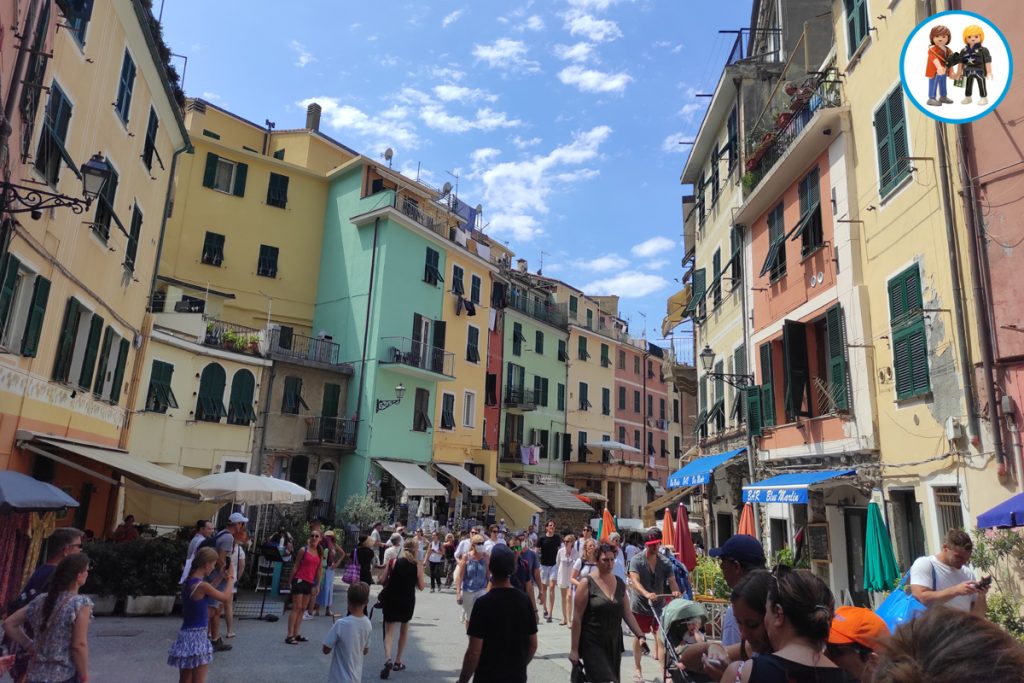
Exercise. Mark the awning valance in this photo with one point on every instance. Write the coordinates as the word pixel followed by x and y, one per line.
pixel 789 488
pixel 416 481
pixel 478 486
pixel 699 471
pixel 659 490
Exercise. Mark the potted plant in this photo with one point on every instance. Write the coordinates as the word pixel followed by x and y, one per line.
pixel 229 340
pixel 211 336
pixel 153 568
pixel 103 585
pixel 254 344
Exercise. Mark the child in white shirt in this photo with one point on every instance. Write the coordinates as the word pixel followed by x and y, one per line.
pixel 349 638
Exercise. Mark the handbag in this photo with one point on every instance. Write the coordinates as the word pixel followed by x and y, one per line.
pixel 578 675
pixel 900 607
pixel 352 572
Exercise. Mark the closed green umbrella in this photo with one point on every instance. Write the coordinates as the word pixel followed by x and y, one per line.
pixel 880 569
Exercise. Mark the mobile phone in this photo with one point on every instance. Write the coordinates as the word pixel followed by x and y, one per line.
pixel 644 648
pixel 984 583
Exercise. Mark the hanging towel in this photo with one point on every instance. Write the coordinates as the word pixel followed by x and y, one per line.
pixel 534 455
pixel 524 454
pixel 492 320
pixel 459 303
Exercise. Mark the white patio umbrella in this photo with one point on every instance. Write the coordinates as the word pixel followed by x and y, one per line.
pixel 241 487
pixel 614 446
pixel 292 491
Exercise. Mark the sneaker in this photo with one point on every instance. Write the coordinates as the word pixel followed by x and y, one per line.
pixel 945 100
pixel 983 101
pixel 966 100
pixel 220 646
pixel 306 616
pixel 934 102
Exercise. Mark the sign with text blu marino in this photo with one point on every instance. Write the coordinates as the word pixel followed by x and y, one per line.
pixel 789 488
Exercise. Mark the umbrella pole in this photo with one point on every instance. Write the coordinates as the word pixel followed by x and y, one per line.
pixel 750 470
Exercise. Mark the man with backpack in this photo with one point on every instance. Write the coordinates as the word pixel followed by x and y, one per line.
pixel 527 574
pixel 224 543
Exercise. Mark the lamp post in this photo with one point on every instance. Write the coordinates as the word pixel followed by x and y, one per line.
pixel 94 175
pixel 383 404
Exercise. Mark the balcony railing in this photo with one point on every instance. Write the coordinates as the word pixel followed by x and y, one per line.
pixel 519 397
pixel 540 310
pixel 331 431
pixel 322 510
pixel 766 46
pixel 231 337
pixel 285 344
pixel 417 354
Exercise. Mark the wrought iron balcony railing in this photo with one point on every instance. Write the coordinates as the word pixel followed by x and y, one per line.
pixel 411 353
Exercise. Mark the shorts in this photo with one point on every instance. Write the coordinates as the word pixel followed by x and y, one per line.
pixel 468 600
pixel 548 574
pixel 300 587
pixel 646 622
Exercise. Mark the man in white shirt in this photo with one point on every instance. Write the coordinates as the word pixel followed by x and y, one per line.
pixel 377 544
pixel 204 528
pixel 945 579
pixel 465 544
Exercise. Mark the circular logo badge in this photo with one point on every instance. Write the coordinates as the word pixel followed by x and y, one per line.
pixel 956 66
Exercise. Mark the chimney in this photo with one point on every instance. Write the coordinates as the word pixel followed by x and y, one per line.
pixel 313 116
pixel 521 265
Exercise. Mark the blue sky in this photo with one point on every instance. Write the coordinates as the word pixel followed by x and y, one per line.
pixel 561 117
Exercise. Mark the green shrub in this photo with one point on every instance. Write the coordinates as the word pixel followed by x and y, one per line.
pixel 140 567
pixel 363 511
pixel 1005 610
pixel 707 579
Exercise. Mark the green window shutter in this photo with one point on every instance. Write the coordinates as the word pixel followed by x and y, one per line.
pixel 332 400
pixel 856 23
pixel 837 368
pixel 544 392
pixel 131 250
pixel 606 401
pixel 699 282
pixel 241 170
pixel 883 143
pixel 716 282
pixel 92 346
pixel 66 342
pixel 279 154
pixel 277 190
pixel 898 143
pixel 622 398
pixel 126 85
pixel 910 360
pixel 10 281
pixel 122 360
pixel 538 342
pixel 752 398
pixel 36 316
pixel 150 144
pixel 243 386
pixel 101 370
pixel 536 389
pixel 767 386
pixel 897 299
pixel 210 402
pixel 561 397
pixel 210 174
pixel 796 373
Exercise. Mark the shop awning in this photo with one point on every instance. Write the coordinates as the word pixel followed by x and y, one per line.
pixel 789 488
pixel 659 490
pixel 699 471
pixel 1006 515
pixel 416 481
pixel 478 486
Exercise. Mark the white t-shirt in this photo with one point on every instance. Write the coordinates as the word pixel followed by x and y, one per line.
pixel 620 566
pixel 464 547
pixel 375 537
pixel 944 577
pixel 349 638
pixel 435 552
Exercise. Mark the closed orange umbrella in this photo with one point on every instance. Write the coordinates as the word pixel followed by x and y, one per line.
pixel 747 521
pixel 666 529
pixel 607 525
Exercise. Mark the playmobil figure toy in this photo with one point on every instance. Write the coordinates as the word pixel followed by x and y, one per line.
pixel 975 64
pixel 936 71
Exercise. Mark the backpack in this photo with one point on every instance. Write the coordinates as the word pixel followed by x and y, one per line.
pixel 211 542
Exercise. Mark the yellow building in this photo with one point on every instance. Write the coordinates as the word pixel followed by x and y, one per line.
pixel 75 286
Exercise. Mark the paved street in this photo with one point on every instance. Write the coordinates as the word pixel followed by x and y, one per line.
pixel 434 653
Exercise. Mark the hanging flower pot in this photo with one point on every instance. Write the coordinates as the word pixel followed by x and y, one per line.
pixel 791 88
pixel 751 164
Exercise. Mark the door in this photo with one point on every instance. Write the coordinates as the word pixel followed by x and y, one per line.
pixel 420 341
pixel 329 425
pixel 905 516
pixel 724 524
pixel 325 483
pixel 856 524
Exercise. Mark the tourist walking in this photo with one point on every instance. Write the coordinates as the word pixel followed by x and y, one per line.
pixel 224 544
pixel 421 546
pixel 399 602
pixel 191 652
pixel 449 560
pixel 586 534
pixel 59 620
pixel 738 556
pixel 376 544
pixel 349 638
pixel 548 546
pixel 237 562
pixel 471 577
pixel 393 550
pixel 615 540
pixel 798 616
pixel 305 586
pixel 565 560
pixel 366 554
pixel 600 607
pixel 333 556
pixel 203 530
pixel 650 574
pixel 435 559
pixel 502 629
pixel 527 574
pixel 946 579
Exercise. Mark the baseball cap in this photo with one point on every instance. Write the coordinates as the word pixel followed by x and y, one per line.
pixel 238 517
pixel 742 548
pixel 653 537
pixel 857 625
pixel 503 561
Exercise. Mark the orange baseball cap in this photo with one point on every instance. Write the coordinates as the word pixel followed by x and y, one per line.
pixel 857 625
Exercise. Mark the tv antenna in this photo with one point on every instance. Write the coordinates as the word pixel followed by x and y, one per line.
pixel 540 268
pixel 454 174
pixel 388 155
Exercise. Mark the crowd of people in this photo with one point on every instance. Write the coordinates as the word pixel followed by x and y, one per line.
pixel 781 626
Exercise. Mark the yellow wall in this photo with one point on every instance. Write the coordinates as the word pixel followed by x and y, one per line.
pixel 597 378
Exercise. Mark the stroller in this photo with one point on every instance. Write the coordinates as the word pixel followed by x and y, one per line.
pixel 672 629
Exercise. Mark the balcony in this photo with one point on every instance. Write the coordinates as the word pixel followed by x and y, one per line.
pixel 331 432
pixel 416 358
pixel 298 349
pixel 539 310
pixel 235 338
pixel 520 399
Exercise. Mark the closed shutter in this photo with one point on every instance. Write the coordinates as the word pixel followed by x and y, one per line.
pixel 883 143
pixel 132 248
pixel 122 360
pixel 10 282
pixel 241 170
pixel 699 283
pixel 243 386
pixel 438 358
pixel 753 406
pixel 147 150
pixel 837 374
pixel 66 341
pixel 898 138
pixel 767 387
pixel 796 374
pixel 210 173
pixel 91 348
pixel 101 370
pixel 36 316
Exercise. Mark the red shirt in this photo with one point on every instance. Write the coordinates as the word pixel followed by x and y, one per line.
pixel 308 566
pixel 939 53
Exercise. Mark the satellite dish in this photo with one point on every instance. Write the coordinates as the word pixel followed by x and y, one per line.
pixel 479 208
pixel 446 189
pixel 389 154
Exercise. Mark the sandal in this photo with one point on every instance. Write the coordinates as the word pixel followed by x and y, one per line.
pixel 638 677
pixel 301 639
pixel 290 640
pixel 386 671
pixel 399 666
pixel 230 635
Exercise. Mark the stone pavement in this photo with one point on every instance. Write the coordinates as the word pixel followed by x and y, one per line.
pixel 134 650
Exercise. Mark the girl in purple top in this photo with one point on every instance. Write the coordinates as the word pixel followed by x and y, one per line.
pixel 192 651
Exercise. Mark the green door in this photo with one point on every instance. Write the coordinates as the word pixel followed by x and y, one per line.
pixel 329 423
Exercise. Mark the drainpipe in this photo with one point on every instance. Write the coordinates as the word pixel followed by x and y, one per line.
pixel 751 446
pixel 366 326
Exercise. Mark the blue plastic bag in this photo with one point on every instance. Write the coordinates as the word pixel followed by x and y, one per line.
pixel 900 607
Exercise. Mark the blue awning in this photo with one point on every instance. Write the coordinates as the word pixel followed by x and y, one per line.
pixel 1008 514
pixel 699 471
pixel 788 488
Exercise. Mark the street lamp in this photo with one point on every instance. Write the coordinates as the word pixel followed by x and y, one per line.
pixel 93 174
pixel 707 361
pixel 385 404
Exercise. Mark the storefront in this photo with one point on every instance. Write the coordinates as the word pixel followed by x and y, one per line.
pixel 416 499
pixel 718 477
pixel 470 499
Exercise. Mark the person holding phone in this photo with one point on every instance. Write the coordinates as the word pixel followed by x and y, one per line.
pixel 946 578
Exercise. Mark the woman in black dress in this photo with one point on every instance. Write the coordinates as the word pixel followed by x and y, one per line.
pixel 364 556
pixel 600 606
pixel 399 601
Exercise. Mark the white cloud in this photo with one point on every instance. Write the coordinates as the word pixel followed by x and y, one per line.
pixel 590 80
pixel 693 108
pixel 593 5
pixel 451 18
pixel 594 29
pixel 602 264
pixel 304 56
pixel 389 128
pixel 656 246
pixel 505 53
pixel 483 154
pixel 657 264
pixel 520 143
pixel 579 52
pixel 515 192
pixel 670 145
pixel 388 60
pixel 532 23
pixel 211 96
pixel 628 285
pixel 460 93
pixel 447 73
pixel 435 116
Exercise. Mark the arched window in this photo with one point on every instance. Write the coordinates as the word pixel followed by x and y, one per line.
pixel 243 386
pixel 210 406
pixel 298 473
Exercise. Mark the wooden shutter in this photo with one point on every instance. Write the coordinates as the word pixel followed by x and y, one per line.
pixel 837 372
pixel 10 282
pixel 884 149
pixel 699 284
pixel 122 360
pixel 796 374
pixel 101 370
pixel 91 348
pixel 66 342
pixel 332 397
pixel 854 24
pixel 767 386
pixel 36 316
pixel 210 173
pixel 241 170
pixel 754 410
pixel 132 248
pixel 151 128
pixel 437 353
pixel 417 327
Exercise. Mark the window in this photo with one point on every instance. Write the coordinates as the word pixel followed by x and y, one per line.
pixel 213 249
pixel 606 401
pixel 699 192
pixel 735 256
pixel 622 435
pixel 267 264
pixel 582 436
pixel 661 408
pixel 447 411
pixel 622 398
pixel 149 146
pixel 675 410
pixel 948 509
pixel 458 287
pixel 891 139
pixel 277 190
pixel 606 361
pixel 650 443
pixel 584 396
pixel 78 345
pixel 563 354
pixel 210 405
pixel 856 23
pixel 732 144
pixel 160 396
pixel 664 449
pixel 292 397
pixel 650 406
pixel 622 360
pixel 538 342
pixel 767 403
pixel 243 388
pixel 715 155
pixel 23 297
pixel 279 154
pixel 474 289
pixel 739 366
pixel 105 207
pixel 582 350
pixel 561 397
pixel 432 268
pixel 125 85
pixel 113 357
pixel 676 449
pixel 76 17
pixel 775 261
pixel 473 344
pixel 517 339
pixel 909 337
pixel 225 175
pixel 51 151
pixel 716 282
pixel 573 307
pixel 421 411
pixel 809 228
pixel 540 390
pixel 636 402
pixel 636 439
pixel 636 365
pixel 835 353
pixel 590 318
pixel 131 250
pixel 469 409
pixel 695 306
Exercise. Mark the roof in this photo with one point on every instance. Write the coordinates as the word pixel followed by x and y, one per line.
pixel 555 496
pixel 143 13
